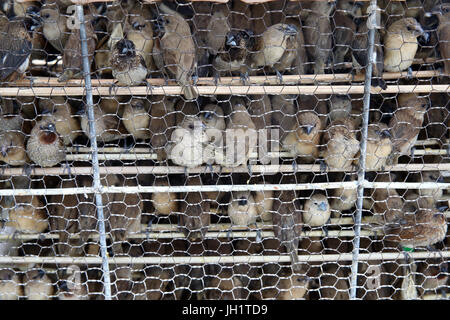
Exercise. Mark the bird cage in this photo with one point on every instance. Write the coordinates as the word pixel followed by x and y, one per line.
pixel 211 150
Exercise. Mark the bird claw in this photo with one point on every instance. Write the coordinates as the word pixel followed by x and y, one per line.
pixel 410 73
pixel 66 166
pixel 249 167
pixel 229 234
pixel 149 227
pixel 113 86
pixel 195 79
pixel 258 238
pixel 128 146
pixel 413 150
pixel 186 174
pixel 216 78
pixel 210 168
pixel 279 76
pixel 28 169
pixel 294 166
pixel 325 231
pixel 323 166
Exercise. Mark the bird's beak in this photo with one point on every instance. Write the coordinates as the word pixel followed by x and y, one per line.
pixel 323 206
pixel 124 50
pixel 308 129
pixel 386 133
pixel 41 273
pixel 290 30
pixel 80 112
pixel 231 41
pixel 442 208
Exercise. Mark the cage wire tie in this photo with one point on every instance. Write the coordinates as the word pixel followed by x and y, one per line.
pixel 95 165
pixel 372 24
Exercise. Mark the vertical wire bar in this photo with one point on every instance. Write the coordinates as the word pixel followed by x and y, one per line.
pixel 372 23
pixel 95 165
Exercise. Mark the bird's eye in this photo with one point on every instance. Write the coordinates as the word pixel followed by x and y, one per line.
pixel 191 126
pixel 208 115
pixel 410 28
pixel 46 15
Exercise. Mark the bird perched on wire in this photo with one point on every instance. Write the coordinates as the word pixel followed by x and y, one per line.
pixel 61 113
pixel 12 148
pixel 274 48
pixel 239 138
pixel 136 118
pixel 164 203
pixel 344 30
pixel 400 44
pixel 15 45
pixel 37 285
pixel 45 147
pixel 195 215
pixel 340 107
pixel 316 211
pixel 287 220
pixel 128 66
pixel 340 145
pixel 318 34
pixel 405 125
pixel 54 26
pixel 243 210
pixel 303 140
pixel 27 214
pixel 10 285
pixel 379 147
pixel 174 50
pixel 344 198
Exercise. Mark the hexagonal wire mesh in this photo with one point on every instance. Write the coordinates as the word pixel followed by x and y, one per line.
pixel 224 150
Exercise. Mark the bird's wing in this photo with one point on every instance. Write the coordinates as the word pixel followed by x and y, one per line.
pixel 13 53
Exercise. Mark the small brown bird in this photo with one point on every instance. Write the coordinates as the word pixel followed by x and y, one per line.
pixel 60 112
pixel 241 131
pixel 316 210
pixel 54 26
pixel 340 144
pixel 136 118
pixel 242 209
pixel 164 203
pixel 344 30
pixel 45 147
pixel 304 138
pixel 287 221
pixel 264 202
pixel 138 29
pixel 72 57
pixel 405 126
pixel 162 124
pixel 360 45
pixel 344 199
pixel 232 57
pixel 15 46
pixel 10 285
pixel 400 44
pixel 260 110
pixel 108 126
pixel 274 47
pixel 195 212
pixel 443 33
pixel 284 115
pixel 12 148
pixel 430 196
pixel 379 147
pixel 318 34
pixel 128 67
pixel 187 143
pixel 340 107
pixel 174 50
pixel 27 214
pixel 37 285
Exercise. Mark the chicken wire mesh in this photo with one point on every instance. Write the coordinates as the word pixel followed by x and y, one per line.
pixel 214 150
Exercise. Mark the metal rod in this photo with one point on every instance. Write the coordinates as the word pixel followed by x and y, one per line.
pixel 224 259
pixel 95 165
pixel 371 20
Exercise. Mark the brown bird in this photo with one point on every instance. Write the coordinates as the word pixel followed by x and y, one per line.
pixel 343 199
pixel 304 138
pixel 344 30
pixel 318 34
pixel 128 67
pixel 443 33
pixel 400 44
pixel 274 48
pixel 27 214
pixel 12 148
pixel 360 46
pixel 243 210
pixel 260 110
pixel 164 203
pixel 72 57
pixel 284 115
pixel 195 212
pixel 61 113
pixel 15 46
pixel 379 147
pixel 316 210
pixel 136 118
pixel 162 124
pixel 340 107
pixel 287 221
pixel 45 146
pixel 37 285
pixel 264 203
pixel 232 56
pixel 213 118
pixel 10 285
pixel 54 26
pixel 340 144
pixel 241 131
pixel 108 126
pixel 405 125
pixel 139 30
pixel 174 50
